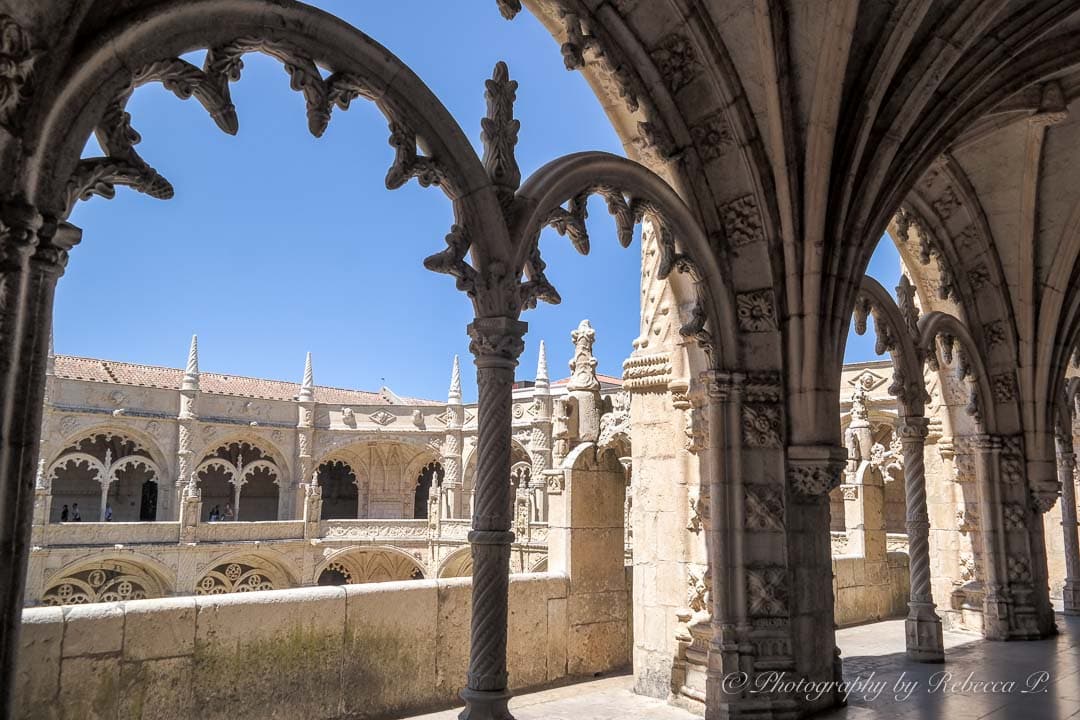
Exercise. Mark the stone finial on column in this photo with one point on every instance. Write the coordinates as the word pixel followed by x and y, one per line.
pixel 186 420
pixel 307 387
pixel 191 373
pixel 584 387
pixel 452 446
pixel 540 442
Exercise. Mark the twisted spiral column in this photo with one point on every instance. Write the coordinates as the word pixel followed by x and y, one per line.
pixel 923 626
pixel 1066 474
pixel 496 345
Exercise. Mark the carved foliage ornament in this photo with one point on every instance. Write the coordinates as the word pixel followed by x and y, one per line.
pixel 210 86
pixel 17 59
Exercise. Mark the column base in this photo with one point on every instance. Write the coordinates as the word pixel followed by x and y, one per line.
pixel 486 705
pixel 1070 596
pixel 922 630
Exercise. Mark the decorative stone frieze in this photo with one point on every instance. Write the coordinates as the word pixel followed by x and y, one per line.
pixel 815 470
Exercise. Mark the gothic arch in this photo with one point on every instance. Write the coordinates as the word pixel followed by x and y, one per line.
pixel 145 47
pixel 106 578
pixel 340 489
pixel 242 571
pixel 370 564
pixel 224 472
pixel 103 469
pixel 457 564
pixel 148 442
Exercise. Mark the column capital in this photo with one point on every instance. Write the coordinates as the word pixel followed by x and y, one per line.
pixel 19 232
pixel 497 341
pixel 55 241
pixel 814 470
pixel 912 428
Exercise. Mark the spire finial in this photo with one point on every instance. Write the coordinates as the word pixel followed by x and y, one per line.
pixel 455 383
pixel 191 374
pixel 307 388
pixel 541 367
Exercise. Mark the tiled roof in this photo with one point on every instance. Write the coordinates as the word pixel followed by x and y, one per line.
pixel 122 373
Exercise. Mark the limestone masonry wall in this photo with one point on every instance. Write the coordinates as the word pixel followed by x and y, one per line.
pixel 354 651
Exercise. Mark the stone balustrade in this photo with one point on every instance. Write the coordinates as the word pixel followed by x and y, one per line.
pixel 320 652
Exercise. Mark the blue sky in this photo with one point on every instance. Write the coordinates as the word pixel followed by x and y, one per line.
pixel 278 243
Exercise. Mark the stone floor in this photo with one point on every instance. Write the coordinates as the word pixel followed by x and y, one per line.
pixel 884 683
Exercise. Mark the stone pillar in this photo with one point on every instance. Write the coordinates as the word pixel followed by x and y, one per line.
pixel 312 508
pixel 33 255
pixel 585 541
pixel 541 440
pixel 923 626
pixel 1066 474
pixel 305 440
pixel 190 511
pixel 496 345
pixel 453 478
pixel 42 505
pixel 186 422
pixel 725 397
pixel 996 604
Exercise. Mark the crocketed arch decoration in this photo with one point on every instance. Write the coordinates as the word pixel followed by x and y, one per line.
pixel 457 564
pixel 369 565
pixel 107 581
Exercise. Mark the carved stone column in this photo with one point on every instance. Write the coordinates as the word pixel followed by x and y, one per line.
pixel 1066 474
pixel 186 422
pixel 996 605
pixel 496 345
pixel 925 642
pixel 33 255
pixel 305 445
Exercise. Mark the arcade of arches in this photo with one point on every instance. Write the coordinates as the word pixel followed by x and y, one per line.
pixel 771 145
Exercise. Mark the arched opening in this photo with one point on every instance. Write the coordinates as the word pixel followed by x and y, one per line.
pixel 102 477
pixel 340 494
pixel 236 474
pixel 429 479
pixel 258 496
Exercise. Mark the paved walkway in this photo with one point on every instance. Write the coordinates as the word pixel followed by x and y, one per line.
pixel 971 685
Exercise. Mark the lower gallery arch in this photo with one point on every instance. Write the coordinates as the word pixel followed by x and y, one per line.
pixel 457 564
pixel 354 566
pixel 107 579
pixel 244 572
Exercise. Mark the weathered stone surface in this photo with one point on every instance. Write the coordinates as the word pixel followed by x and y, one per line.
pixel 159 629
